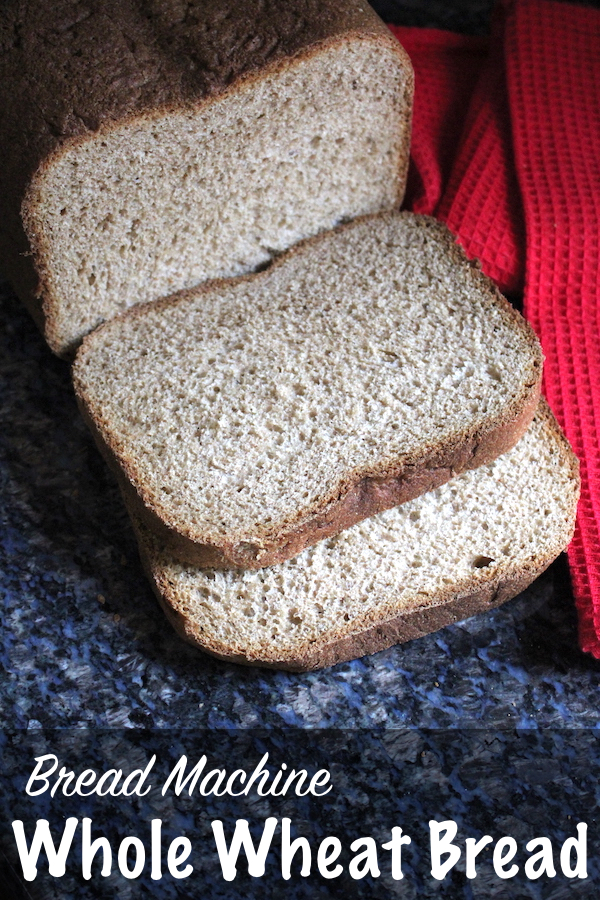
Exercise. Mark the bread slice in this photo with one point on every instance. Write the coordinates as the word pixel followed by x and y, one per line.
pixel 253 417
pixel 463 548
pixel 147 147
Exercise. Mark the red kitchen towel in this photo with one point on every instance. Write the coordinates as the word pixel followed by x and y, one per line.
pixel 461 166
pixel 447 66
pixel 553 76
pixel 481 198
pixel 507 152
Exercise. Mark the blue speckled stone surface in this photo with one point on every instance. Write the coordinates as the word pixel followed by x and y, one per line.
pixel 93 672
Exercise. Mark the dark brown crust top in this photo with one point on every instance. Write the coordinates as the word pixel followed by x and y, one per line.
pixel 71 69
pixel 377 629
pixel 362 493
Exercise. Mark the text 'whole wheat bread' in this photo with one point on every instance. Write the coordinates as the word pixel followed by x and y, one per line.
pixel 248 419
pixel 147 147
pixel 464 548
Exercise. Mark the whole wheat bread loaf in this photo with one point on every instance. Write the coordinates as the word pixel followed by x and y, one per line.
pixel 147 147
pixel 463 548
pixel 252 417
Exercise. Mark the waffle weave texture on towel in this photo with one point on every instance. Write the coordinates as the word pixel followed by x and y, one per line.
pixel 553 66
pixel 528 162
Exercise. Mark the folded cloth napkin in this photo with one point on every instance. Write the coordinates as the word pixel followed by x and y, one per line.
pixel 506 150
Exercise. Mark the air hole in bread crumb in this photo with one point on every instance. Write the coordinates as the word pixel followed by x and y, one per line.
pixel 480 562
pixel 494 373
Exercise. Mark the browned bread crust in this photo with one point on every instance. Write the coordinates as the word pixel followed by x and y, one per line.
pixel 71 70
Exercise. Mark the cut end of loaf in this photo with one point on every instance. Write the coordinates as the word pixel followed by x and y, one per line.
pixel 147 207
pixel 469 545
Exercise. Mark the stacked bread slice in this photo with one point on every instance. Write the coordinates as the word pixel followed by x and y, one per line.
pixel 249 418
pixel 316 444
pixel 464 548
pixel 256 420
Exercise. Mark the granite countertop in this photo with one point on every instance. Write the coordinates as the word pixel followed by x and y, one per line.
pixel 86 646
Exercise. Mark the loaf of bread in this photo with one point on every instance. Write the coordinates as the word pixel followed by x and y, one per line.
pixel 147 147
pixel 464 548
pixel 252 417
